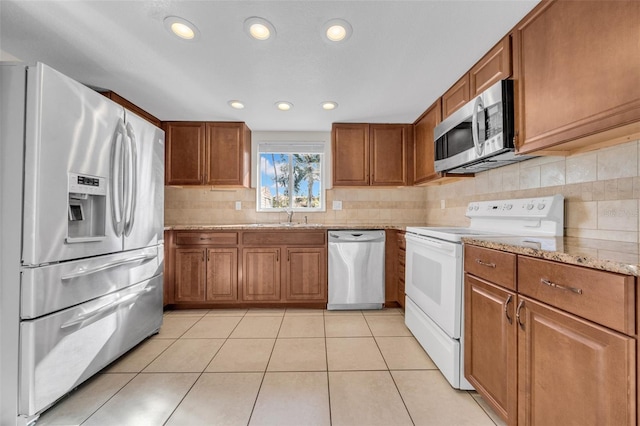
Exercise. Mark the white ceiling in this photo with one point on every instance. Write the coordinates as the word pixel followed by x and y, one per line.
pixel 401 57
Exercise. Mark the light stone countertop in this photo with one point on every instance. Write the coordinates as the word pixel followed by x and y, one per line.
pixel 606 255
pixel 297 226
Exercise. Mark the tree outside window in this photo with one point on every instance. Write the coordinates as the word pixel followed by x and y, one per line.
pixel 290 180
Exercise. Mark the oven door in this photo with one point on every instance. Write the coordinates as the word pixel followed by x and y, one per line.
pixel 434 280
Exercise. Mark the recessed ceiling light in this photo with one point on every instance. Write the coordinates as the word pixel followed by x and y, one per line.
pixel 236 104
pixel 181 28
pixel 259 28
pixel 284 105
pixel 329 105
pixel 337 30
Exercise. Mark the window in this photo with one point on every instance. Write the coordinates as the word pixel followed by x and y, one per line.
pixel 290 176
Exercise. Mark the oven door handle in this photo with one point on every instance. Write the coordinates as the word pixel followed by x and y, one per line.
pixel 443 247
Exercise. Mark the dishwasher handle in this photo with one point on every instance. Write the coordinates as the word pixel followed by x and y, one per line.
pixel 356 236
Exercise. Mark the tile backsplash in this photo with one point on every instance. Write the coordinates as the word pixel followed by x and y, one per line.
pixel 206 206
pixel 601 190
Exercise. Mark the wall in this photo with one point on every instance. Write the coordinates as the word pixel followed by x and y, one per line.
pixel 362 206
pixel 601 189
pixel 204 206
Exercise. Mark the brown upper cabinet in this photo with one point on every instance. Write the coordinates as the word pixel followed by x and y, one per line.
pixel 493 67
pixel 207 153
pixel 370 154
pixel 577 72
pixel 131 107
pixel 456 97
pixel 423 157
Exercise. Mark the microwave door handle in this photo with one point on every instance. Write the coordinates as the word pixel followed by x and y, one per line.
pixel 477 122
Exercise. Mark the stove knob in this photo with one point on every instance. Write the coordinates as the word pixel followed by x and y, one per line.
pixel 470 207
pixel 541 206
pixel 509 206
pixel 529 206
pixel 476 207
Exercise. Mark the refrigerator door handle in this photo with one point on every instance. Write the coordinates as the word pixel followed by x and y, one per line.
pixel 132 180
pixel 115 184
pixel 129 298
pixel 109 265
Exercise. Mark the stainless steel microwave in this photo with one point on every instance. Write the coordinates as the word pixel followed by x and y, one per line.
pixel 480 135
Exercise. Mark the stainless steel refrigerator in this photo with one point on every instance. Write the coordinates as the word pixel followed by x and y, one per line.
pixel 81 237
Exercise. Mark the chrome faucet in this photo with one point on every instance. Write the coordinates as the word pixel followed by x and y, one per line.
pixel 289 214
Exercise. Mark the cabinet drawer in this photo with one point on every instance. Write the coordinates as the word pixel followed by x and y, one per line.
pixel 603 297
pixel 308 238
pixel 207 238
pixel 495 266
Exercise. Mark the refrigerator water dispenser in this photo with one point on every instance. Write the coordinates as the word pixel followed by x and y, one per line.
pixel 87 208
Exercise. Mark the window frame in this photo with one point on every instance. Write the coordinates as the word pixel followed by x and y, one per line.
pixel 291 148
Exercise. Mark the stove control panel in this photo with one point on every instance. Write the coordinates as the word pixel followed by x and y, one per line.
pixel 523 216
pixel 540 207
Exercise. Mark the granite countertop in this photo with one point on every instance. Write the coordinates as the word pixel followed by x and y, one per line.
pixel 254 226
pixel 613 256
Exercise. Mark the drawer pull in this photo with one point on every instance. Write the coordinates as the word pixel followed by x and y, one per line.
pixel 520 305
pixel 506 310
pixel 561 287
pixel 204 239
pixel 490 265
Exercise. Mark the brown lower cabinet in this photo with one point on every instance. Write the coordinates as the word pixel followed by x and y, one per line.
pixel 540 355
pixel 214 268
pixel 205 275
pixel 261 274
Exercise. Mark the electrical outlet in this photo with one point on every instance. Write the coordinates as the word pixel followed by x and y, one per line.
pixel 442 204
pixel 238 205
pixel 337 205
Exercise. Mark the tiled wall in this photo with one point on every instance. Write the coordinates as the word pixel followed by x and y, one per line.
pixel 601 189
pixel 203 206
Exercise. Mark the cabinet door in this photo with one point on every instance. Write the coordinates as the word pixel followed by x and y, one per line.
pixel 222 274
pixel 306 274
pixel 456 97
pixel 577 71
pixel 424 166
pixel 389 154
pixel 184 158
pixel 490 351
pixel 350 151
pixel 493 67
pixel 573 372
pixel 226 154
pixel 190 275
pixel 261 274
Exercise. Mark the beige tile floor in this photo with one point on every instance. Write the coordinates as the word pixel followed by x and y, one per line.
pixel 273 367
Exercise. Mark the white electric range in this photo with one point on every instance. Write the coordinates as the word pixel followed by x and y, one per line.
pixel 434 271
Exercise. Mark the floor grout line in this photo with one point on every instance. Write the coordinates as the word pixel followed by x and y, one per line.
pixel 327 371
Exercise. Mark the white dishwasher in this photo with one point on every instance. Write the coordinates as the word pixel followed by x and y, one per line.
pixel 356 269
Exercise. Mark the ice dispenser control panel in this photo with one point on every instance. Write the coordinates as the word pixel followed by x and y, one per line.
pixel 87 208
pixel 81 184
